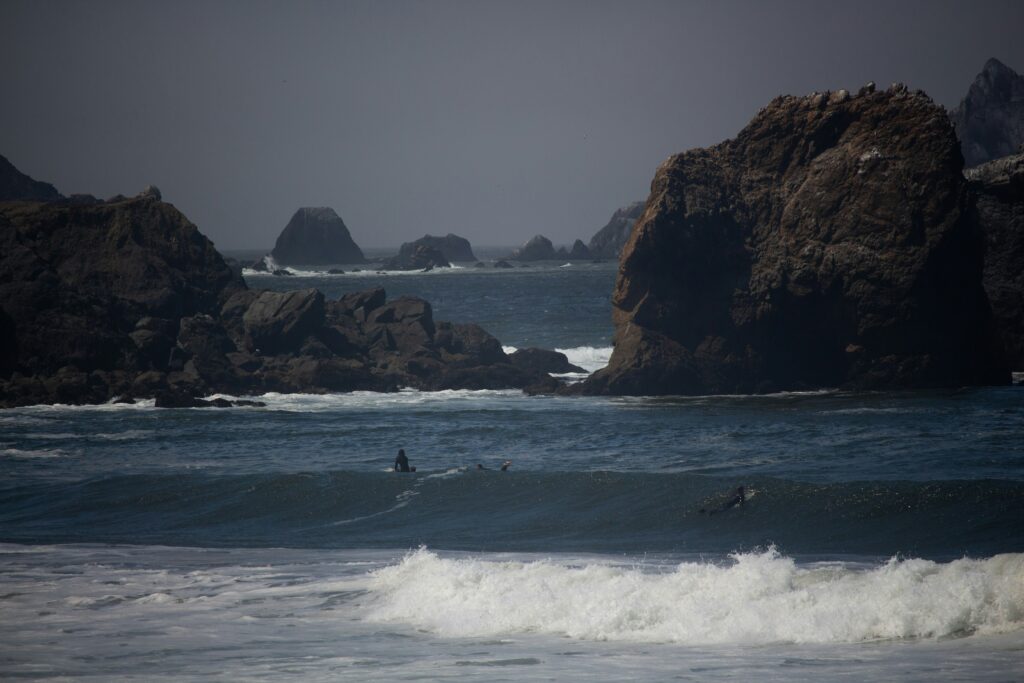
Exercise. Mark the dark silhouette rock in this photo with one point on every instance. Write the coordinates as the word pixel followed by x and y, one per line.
pixel 579 251
pixel 543 360
pixel 421 257
pixel 990 119
pixel 278 322
pixel 503 264
pixel 15 185
pixel 316 236
pixel 609 240
pixel 828 244
pixel 452 247
pixel 539 248
pixel 998 189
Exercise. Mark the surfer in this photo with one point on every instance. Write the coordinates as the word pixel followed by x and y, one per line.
pixel 738 498
pixel 504 465
pixel 402 462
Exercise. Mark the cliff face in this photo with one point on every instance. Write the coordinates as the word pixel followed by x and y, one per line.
pixel 998 189
pixel 15 185
pixel 828 244
pixel 609 240
pixel 990 120
pixel 452 247
pixel 316 236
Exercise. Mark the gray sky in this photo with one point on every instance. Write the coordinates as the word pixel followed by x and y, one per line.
pixel 493 120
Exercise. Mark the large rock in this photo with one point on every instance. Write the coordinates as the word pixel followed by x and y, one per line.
pixel 538 248
pixel 15 185
pixel 829 244
pixel 544 360
pixel 421 257
pixel 990 119
pixel 998 189
pixel 609 240
pixel 452 247
pixel 278 322
pixel 579 250
pixel 316 236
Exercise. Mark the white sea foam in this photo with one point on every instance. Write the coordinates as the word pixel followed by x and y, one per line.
pixel 374 400
pixel 759 598
pixel 23 454
pixel 590 358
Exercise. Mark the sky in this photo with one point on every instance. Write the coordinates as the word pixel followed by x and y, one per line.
pixel 493 120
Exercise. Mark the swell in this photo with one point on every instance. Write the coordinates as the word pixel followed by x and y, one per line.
pixel 522 511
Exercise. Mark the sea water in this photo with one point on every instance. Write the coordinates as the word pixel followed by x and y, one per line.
pixel 882 537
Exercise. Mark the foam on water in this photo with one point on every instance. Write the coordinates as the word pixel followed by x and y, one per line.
pixel 757 598
pixel 590 358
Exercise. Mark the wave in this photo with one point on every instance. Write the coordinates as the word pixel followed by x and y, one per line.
pixel 757 598
pixel 465 508
pixel 361 271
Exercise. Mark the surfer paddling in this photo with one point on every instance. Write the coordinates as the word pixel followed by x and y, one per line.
pixel 738 499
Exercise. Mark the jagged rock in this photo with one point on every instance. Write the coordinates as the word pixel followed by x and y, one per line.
pixel 828 244
pixel 278 322
pixel 420 257
pixel 316 236
pixel 579 251
pixel 609 240
pixel 990 119
pixel 998 188
pixel 539 248
pixel 452 247
pixel 543 360
pixel 15 185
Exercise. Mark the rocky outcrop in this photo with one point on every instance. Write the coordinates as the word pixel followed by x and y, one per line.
pixel 128 299
pixel 579 251
pixel 15 185
pixel 452 247
pixel 538 248
pixel 998 189
pixel 544 360
pixel 990 119
pixel 609 240
pixel 420 257
pixel 316 236
pixel 828 244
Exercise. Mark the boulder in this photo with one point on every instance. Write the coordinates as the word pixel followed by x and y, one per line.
pixel 990 119
pixel 998 189
pixel 452 247
pixel 609 240
pixel 278 322
pixel 829 244
pixel 543 360
pixel 316 236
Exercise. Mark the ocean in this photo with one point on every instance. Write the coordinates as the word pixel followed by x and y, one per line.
pixel 882 535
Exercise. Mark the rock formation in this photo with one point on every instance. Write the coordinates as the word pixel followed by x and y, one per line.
pixel 990 120
pixel 420 257
pixel 998 189
pixel 828 244
pixel 315 237
pixel 579 251
pixel 452 247
pixel 538 248
pixel 609 240
pixel 15 185
pixel 128 299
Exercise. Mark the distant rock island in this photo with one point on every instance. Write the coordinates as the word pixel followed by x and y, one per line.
pixel 607 243
pixel 830 244
pixel 126 298
pixel 420 257
pixel 15 185
pixel 539 248
pixel 316 236
pixel 452 247
pixel 990 119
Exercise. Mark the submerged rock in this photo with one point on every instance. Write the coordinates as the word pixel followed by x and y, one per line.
pixel 990 119
pixel 316 236
pixel 828 244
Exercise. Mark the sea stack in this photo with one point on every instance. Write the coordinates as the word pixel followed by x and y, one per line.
pixel 452 247
pixel 538 248
pixel 316 236
pixel 990 119
pixel 828 245
pixel 609 240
